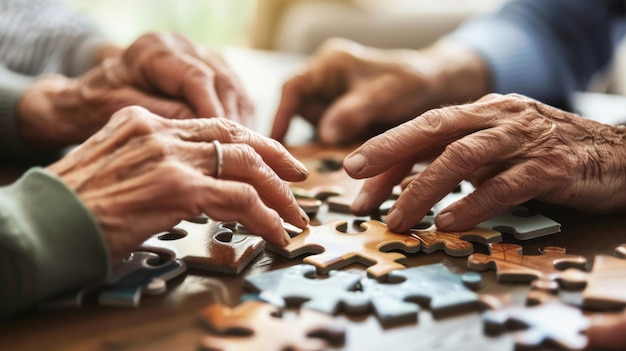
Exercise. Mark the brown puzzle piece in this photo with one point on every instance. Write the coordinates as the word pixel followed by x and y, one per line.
pixel 620 251
pixel 334 249
pixel 606 285
pixel 255 325
pixel 454 243
pixel 209 246
pixel 543 270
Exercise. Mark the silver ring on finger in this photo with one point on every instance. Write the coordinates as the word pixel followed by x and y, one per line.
pixel 219 158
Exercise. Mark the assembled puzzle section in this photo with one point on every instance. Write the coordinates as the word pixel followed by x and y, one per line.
pixel 545 271
pixel 255 325
pixel 394 301
pixel 211 246
pixel 333 249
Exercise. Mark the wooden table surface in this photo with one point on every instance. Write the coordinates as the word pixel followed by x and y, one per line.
pixel 170 321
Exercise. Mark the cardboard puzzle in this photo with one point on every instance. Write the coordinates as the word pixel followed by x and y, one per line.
pixel 606 284
pixel 212 246
pixel 394 301
pixel 454 243
pixel 620 251
pixel 547 325
pixel 333 249
pixel 545 271
pixel 255 325
pixel 141 273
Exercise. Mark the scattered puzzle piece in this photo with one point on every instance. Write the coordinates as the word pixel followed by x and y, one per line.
pixel 298 285
pixel 543 270
pixel 606 286
pixel 140 273
pixel 432 285
pixel 334 249
pixel 209 246
pixel 551 323
pixel 454 243
pixel 255 325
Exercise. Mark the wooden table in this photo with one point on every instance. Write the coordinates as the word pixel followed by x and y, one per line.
pixel 169 322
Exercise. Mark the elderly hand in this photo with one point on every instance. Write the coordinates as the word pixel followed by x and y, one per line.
pixel 512 148
pixel 352 92
pixel 142 174
pixel 166 73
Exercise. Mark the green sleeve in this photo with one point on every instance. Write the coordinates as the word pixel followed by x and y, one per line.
pixel 49 242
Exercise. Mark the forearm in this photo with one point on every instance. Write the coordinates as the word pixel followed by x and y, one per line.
pixel 49 242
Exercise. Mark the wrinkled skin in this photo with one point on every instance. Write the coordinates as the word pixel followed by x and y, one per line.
pixel 142 174
pixel 351 92
pixel 511 148
pixel 164 72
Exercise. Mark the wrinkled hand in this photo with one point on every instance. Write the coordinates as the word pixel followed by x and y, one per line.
pixel 511 148
pixel 166 73
pixel 351 92
pixel 142 174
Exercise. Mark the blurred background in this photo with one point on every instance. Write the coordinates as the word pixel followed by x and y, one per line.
pixel 300 26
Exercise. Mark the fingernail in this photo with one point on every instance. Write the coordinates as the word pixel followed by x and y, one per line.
pixel 444 220
pixel 395 218
pixel 304 217
pixel 301 168
pixel 355 163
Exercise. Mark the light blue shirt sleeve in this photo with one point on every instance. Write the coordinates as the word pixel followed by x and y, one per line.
pixel 545 49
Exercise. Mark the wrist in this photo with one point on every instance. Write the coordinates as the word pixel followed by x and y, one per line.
pixel 460 74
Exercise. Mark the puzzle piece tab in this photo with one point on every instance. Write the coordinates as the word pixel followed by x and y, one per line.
pixel 543 270
pixel 209 246
pixel 334 249
pixel 255 325
pixel 454 243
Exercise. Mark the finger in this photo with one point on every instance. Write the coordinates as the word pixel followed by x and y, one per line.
pixel 228 97
pixel 272 152
pixel 417 140
pixel 235 201
pixel 241 163
pixel 511 187
pixel 377 189
pixel 457 162
pixel 293 93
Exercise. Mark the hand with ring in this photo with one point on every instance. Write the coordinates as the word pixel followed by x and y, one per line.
pixel 142 174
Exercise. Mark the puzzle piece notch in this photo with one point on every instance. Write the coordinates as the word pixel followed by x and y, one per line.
pixel 395 301
pixel 215 246
pixel 545 271
pixel 333 249
pixel 550 323
pixel 141 272
pixel 254 325
pixel 606 286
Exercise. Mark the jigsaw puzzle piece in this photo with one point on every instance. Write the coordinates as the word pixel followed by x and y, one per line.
pixel 255 325
pixel 434 286
pixel 149 280
pixel 211 246
pixel 138 265
pixel 545 271
pixel 333 249
pixel 299 286
pixel 454 243
pixel 606 286
pixel 620 251
pixel 551 323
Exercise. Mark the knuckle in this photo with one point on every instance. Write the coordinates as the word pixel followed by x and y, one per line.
pixel 464 154
pixel 230 131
